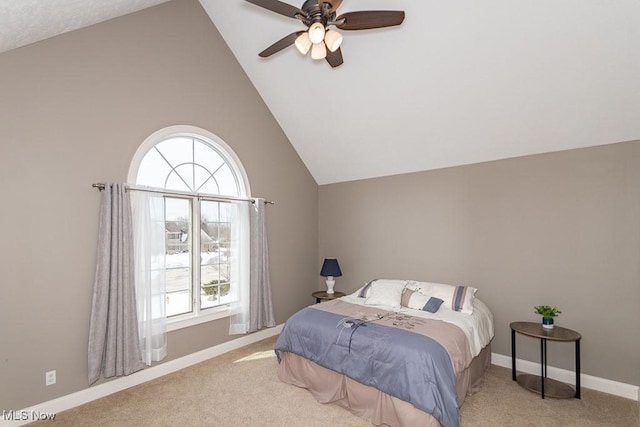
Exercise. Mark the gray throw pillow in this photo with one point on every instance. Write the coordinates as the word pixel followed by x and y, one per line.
pixel 432 305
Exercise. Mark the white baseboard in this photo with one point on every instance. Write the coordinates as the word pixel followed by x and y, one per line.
pixel 43 410
pixel 594 383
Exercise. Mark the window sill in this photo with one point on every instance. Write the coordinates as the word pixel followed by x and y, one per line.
pixel 191 320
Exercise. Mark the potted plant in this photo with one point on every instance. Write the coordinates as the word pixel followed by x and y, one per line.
pixel 548 313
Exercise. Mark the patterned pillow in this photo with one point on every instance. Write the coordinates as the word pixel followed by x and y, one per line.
pixel 418 301
pixel 413 299
pixel 457 298
pixel 407 294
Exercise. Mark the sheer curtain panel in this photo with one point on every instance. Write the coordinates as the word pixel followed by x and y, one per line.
pixel 113 329
pixel 261 307
pixel 239 277
pixel 150 284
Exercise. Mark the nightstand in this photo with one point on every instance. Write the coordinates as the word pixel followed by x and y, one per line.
pixel 541 384
pixel 324 296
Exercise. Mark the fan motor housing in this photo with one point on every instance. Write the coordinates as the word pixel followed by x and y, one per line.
pixel 314 13
pixel 310 5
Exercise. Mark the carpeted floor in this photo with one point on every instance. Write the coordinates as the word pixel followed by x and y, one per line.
pixel 241 388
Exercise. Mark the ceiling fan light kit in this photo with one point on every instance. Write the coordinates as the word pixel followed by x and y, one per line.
pixel 316 32
pixel 303 43
pixel 318 51
pixel 320 41
pixel 318 15
pixel 333 40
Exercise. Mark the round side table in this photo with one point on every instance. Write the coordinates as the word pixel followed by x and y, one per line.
pixel 541 384
pixel 324 296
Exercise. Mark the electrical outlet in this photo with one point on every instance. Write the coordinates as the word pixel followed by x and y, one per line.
pixel 49 378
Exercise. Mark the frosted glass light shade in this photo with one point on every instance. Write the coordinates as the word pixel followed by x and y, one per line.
pixel 316 32
pixel 319 50
pixel 303 43
pixel 333 40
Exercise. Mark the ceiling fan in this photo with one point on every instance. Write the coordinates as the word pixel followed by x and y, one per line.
pixel 318 16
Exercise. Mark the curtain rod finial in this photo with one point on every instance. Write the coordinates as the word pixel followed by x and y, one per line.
pixel 266 202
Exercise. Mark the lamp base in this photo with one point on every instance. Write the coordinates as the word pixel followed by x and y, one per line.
pixel 330 283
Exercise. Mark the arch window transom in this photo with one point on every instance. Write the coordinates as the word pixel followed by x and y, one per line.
pixel 190 164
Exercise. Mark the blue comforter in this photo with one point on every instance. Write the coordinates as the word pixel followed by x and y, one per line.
pixel 399 362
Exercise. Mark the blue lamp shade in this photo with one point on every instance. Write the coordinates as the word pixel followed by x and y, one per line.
pixel 330 267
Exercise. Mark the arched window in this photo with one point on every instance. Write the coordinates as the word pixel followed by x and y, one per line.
pixel 205 190
pixel 189 163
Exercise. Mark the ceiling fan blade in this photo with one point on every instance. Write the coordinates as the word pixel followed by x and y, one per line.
pixel 284 42
pixel 367 19
pixel 280 7
pixel 332 5
pixel 334 58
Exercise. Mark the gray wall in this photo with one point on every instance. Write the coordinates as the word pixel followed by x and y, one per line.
pixel 560 228
pixel 73 111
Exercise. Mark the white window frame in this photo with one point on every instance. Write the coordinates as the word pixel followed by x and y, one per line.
pixel 197 315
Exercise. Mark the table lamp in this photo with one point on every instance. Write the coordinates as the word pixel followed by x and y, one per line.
pixel 330 269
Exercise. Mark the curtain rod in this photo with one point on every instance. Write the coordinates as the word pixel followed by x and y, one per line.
pixel 100 186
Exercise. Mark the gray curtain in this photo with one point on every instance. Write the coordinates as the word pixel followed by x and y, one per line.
pixel 260 306
pixel 113 331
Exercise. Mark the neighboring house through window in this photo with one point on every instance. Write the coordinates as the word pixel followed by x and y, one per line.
pixel 203 183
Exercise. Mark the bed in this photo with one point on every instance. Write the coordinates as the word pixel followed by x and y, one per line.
pixel 395 352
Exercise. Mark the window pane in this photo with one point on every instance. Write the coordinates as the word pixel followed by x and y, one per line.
pixel 153 170
pixel 178 260
pixel 214 249
pixel 226 181
pixel 228 213
pixel 207 156
pixel 204 182
pixel 177 150
pixel 180 179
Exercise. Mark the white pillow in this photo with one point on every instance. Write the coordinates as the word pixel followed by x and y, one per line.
pixel 386 292
pixel 416 286
pixel 457 298
pixel 365 291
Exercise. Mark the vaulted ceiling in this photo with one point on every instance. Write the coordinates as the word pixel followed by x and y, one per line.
pixel 458 82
